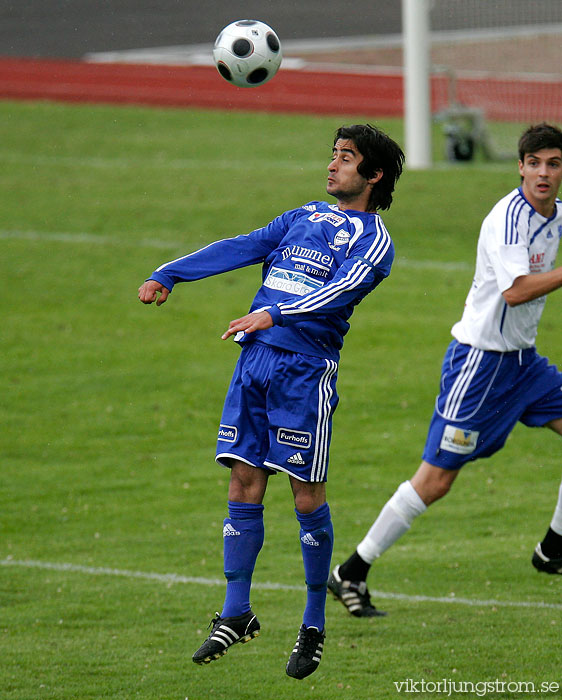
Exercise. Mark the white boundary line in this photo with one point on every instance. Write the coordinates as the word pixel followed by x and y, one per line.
pixel 267 586
pixel 155 163
pixel 91 238
pixel 224 164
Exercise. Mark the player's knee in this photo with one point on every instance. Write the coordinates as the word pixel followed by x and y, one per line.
pixel 305 503
pixel 432 483
pixel 308 496
pixel 247 483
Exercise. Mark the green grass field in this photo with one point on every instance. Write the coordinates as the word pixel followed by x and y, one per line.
pixel 111 505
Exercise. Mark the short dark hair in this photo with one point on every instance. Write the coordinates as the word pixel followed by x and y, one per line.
pixel 537 137
pixel 379 152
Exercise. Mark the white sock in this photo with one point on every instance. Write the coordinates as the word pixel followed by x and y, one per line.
pixel 394 520
pixel 556 523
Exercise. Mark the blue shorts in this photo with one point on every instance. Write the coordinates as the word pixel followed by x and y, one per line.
pixel 278 412
pixel 483 395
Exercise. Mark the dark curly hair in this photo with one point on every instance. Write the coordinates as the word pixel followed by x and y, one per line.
pixel 379 152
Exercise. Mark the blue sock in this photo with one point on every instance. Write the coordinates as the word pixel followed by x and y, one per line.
pixel 243 538
pixel 317 541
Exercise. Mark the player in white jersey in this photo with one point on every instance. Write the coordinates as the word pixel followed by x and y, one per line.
pixel 492 376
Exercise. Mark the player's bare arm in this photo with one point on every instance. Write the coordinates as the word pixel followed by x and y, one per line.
pixel 529 287
pixel 152 291
pixel 256 321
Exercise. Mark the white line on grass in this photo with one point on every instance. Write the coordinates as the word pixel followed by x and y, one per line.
pixel 60 237
pixel 268 586
pixel 131 163
pixel 90 238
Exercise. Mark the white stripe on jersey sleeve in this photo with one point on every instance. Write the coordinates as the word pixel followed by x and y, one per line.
pixel 354 277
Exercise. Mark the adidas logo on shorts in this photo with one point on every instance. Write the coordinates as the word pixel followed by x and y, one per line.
pixel 296 459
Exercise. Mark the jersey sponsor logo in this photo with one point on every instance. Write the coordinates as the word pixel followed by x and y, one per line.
pixel 228 433
pixel 536 262
pixel 296 459
pixel 312 269
pixel 291 282
pixel 328 216
pixel 462 442
pixel 286 436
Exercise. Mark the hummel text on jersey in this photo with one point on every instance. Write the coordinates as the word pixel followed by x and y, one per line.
pixel 308 254
pixel 294 437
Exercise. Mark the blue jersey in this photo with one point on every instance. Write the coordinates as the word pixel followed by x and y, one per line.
pixel 318 262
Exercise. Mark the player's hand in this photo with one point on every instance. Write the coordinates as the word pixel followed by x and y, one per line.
pixel 256 321
pixel 153 291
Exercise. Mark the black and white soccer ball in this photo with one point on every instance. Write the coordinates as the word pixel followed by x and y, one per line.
pixel 247 53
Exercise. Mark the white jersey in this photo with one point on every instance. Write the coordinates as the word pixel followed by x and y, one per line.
pixel 514 240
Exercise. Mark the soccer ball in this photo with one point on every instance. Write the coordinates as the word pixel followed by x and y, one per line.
pixel 247 53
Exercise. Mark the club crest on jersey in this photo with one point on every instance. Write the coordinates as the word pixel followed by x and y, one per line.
pixel 462 442
pixel 228 433
pixel 342 237
pixel 328 216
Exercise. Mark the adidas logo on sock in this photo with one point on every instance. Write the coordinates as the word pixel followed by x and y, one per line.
pixel 296 459
pixel 309 540
pixel 229 531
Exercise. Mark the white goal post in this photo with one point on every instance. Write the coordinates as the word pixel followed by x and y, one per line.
pixel 482 70
pixel 417 92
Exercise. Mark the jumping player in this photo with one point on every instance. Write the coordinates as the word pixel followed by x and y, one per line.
pixel 318 262
pixel 492 376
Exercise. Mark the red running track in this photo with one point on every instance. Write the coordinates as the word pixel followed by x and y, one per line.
pixel 302 91
pixel 197 86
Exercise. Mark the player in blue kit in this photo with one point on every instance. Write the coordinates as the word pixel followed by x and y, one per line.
pixel 318 262
pixel 492 376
